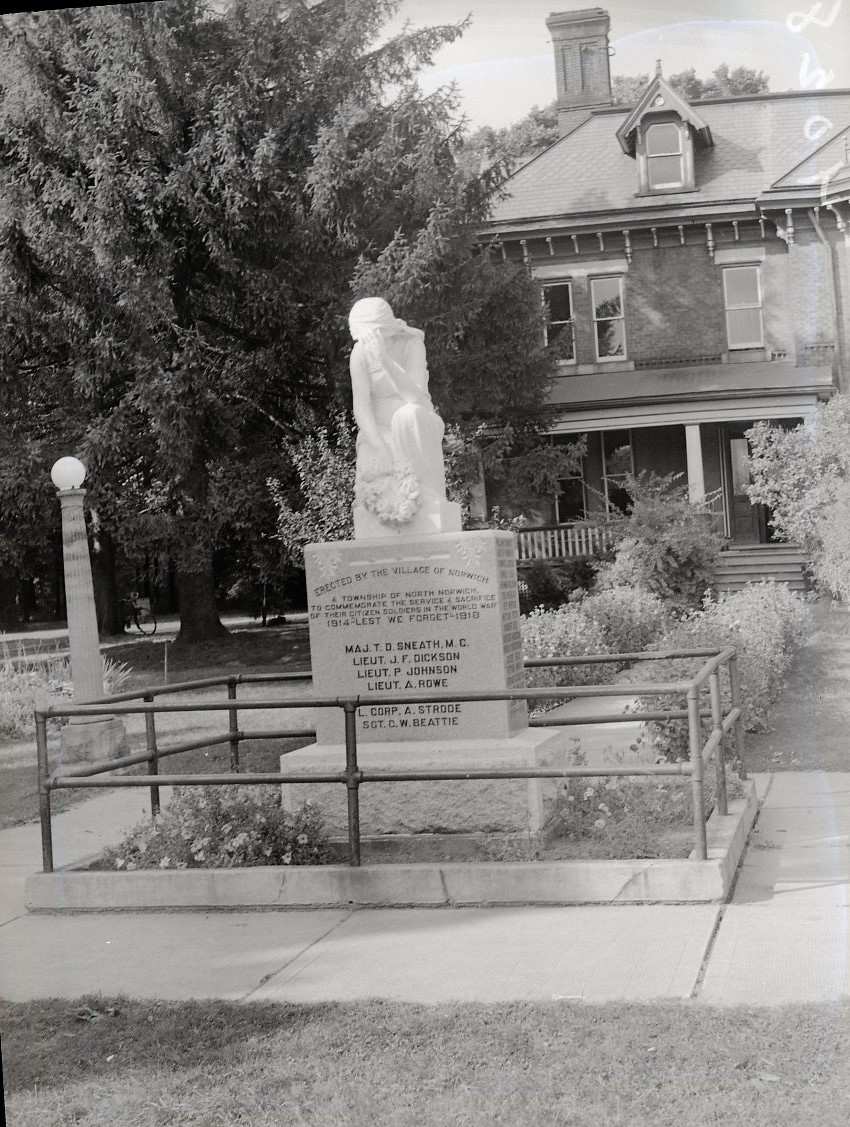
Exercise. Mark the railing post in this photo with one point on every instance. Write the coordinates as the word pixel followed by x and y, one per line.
pixel 719 754
pixel 695 745
pixel 153 754
pixel 352 781
pixel 234 726
pixel 735 692
pixel 44 792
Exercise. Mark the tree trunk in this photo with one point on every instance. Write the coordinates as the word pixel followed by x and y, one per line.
pixel 199 620
pixel 59 610
pixel 29 603
pixel 8 599
pixel 106 598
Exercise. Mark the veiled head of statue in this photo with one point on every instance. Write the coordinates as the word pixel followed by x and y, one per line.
pixel 368 314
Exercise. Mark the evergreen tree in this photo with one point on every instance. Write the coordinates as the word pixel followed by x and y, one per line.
pixel 169 269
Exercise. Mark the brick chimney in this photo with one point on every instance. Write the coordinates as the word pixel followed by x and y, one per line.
pixel 580 40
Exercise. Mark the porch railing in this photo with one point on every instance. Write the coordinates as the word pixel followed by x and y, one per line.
pixel 562 541
pixel 566 541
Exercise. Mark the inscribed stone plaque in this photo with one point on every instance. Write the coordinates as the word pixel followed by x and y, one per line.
pixel 416 615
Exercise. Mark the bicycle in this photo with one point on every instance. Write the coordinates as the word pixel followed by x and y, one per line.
pixel 140 613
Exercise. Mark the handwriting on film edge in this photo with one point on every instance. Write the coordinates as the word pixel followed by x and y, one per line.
pixel 817 126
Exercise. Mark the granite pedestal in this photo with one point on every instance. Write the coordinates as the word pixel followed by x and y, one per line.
pixel 403 625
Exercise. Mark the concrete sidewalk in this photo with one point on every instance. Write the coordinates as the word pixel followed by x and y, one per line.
pixel 783 937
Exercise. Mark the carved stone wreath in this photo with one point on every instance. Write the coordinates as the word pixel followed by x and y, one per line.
pixel 393 497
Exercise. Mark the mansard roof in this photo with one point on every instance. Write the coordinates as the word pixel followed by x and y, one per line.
pixel 660 96
pixel 758 140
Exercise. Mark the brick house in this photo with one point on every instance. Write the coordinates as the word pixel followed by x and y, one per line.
pixel 694 266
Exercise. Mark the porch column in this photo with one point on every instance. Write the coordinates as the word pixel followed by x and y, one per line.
pixel 696 474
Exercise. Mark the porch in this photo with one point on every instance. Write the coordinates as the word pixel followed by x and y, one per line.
pixel 712 457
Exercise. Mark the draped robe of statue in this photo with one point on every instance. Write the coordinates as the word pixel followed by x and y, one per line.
pixel 400 477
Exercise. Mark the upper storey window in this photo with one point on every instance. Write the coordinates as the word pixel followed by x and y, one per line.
pixel 665 159
pixel 609 320
pixel 661 134
pixel 743 300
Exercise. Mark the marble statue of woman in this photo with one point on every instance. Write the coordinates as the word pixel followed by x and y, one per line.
pixel 400 477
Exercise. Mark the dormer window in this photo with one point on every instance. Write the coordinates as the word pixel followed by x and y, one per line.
pixel 665 154
pixel 665 158
pixel 661 133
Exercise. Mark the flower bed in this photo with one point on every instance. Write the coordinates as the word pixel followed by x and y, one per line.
pixel 222 827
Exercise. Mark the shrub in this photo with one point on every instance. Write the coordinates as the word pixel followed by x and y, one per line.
pixel 550 584
pixel 766 622
pixel 26 683
pixel 324 463
pixel 665 543
pixel 631 618
pixel 803 475
pixel 565 632
pixel 223 827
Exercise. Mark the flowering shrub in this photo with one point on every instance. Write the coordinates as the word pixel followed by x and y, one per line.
pixel 565 632
pixel 766 622
pixel 620 620
pixel 222 827
pixel 631 618
pixel 618 816
pixel 26 684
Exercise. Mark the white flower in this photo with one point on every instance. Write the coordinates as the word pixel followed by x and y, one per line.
pixel 589 793
pixel 287 858
pixel 119 863
pixel 599 824
pixel 165 862
pixel 302 839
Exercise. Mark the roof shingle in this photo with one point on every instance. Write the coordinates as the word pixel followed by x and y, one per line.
pixel 757 140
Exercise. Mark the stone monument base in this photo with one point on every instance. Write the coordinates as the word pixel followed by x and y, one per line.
pixel 428 807
pixel 97 739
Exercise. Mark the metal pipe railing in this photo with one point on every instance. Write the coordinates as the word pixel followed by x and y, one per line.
pixel 83 776
pixel 153 755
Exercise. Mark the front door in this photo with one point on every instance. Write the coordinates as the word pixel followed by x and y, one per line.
pixel 747 522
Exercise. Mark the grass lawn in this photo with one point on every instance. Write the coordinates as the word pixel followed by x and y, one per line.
pixel 18 784
pixel 271 650
pixel 142 1064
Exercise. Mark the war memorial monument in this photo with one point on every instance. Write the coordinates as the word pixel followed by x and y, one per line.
pixel 414 606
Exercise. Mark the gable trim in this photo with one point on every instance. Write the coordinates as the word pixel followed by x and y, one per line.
pixel 672 101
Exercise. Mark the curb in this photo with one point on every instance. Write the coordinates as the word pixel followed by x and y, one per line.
pixel 449 884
